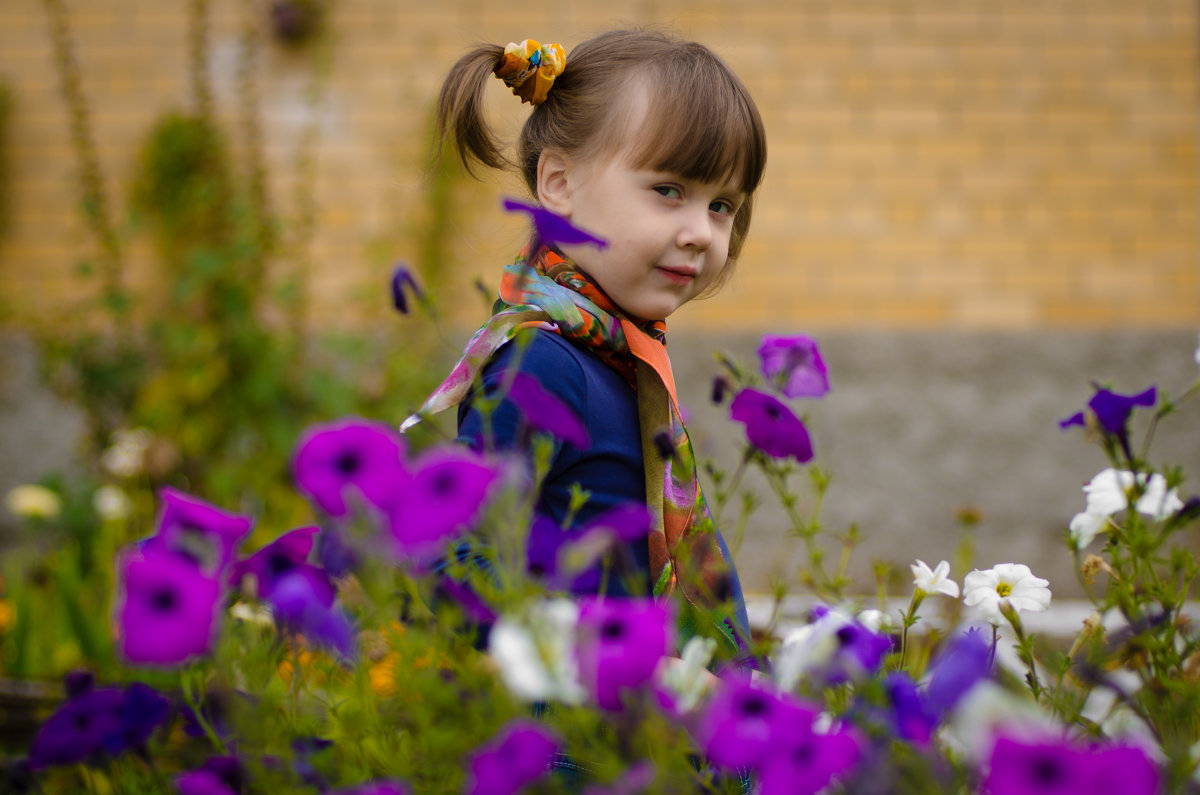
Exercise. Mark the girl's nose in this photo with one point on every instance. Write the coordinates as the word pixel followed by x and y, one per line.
pixel 696 230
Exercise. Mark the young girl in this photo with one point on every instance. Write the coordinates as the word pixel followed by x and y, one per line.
pixel 654 146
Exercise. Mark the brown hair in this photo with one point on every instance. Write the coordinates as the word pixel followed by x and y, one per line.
pixel 702 123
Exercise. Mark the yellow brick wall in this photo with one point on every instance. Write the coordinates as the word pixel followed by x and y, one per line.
pixel 945 164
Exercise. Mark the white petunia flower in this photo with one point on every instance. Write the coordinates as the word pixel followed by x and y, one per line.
pixel 987 710
pixel 31 501
pixel 1011 584
pixel 111 504
pixel 1109 493
pixel 935 580
pixel 535 652
pixel 876 620
pixel 688 678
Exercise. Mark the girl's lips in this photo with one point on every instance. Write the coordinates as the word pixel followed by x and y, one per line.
pixel 678 275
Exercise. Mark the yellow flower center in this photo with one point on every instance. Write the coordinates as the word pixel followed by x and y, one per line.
pixel 1004 589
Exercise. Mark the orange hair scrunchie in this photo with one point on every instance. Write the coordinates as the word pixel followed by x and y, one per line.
pixel 529 69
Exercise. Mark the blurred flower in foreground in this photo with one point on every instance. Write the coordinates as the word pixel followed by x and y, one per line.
pixel 403 283
pixel 367 457
pixel 166 609
pixel 30 501
pixel 834 648
pixel 936 580
pixel 94 722
pixel 535 652
pixel 447 490
pixel 283 556
pixel 795 364
pixel 126 455
pixel 619 644
pixel 199 531
pixel 111 503
pixel 1011 584
pixel 219 775
pixel 375 788
pixel 964 661
pixel 545 412
pixel 520 753
pixel 1060 767
pixel 806 761
pixel 551 227
pixel 771 426
pixel 686 681
pixel 299 602
pixel 1111 491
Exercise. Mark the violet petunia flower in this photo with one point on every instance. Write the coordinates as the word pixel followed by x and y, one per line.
pixel 283 556
pixel 298 602
pixel 447 490
pixel 771 426
pixel 795 365
pixel 375 788
pixel 403 283
pixel 219 775
pixel 355 454
pixel 912 717
pixel 336 552
pixel 520 753
pixel 95 722
pixel 964 662
pixel 166 609
pixel 806 761
pixel 543 411
pixel 834 648
pixel 619 644
pixel 742 724
pixel 1111 411
pixel 553 228
pixel 1060 767
pixel 199 531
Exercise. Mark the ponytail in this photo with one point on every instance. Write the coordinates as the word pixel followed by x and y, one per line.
pixel 460 110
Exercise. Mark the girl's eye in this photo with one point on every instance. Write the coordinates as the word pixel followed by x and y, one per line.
pixel 722 207
pixel 670 191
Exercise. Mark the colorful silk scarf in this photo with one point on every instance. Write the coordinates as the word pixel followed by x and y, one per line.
pixel 547 290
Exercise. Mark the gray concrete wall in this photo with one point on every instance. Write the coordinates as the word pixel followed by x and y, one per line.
pixel 917 427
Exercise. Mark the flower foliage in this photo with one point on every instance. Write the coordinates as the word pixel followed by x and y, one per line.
pixel 427 631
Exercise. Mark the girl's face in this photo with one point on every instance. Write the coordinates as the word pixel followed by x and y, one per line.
pixel 668 237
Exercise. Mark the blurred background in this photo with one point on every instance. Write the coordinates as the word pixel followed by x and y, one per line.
pixel 977 207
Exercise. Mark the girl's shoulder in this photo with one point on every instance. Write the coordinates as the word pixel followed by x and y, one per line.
pixel 543 354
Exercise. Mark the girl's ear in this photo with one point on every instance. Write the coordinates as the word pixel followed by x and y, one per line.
pixel 553 182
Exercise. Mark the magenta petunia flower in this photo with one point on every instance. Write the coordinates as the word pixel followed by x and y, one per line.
pixel 619 644
pixel 367 457
pixel 283 556
pixel 742 725
pixel 771 426
pixel 200 531
pixel 95 722
pixel 551 227
pixel 795 365
pixel 299 604
pixel 545 412
pixel 1060 767
pixel 403 283
pixel 445 494
pixel 166 609
pixel 219 775
pixel 518 755
pixel 806 761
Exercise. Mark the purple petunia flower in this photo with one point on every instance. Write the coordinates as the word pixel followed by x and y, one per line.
pixel 795 364
pixel 1112 411
pixel 806 761
pixel 619 645
pixel 375 788
pixel 219 775
pixel 367 457
pixel 403 283
pixel 553 228
pixel 912 718
pixel 283 556
pixel 1059 767
pixel 98 721
pixel 742 725
pixel 445 494
pixel 771 426
pixel 962 664
pixel 199 531
pixel 545 412
pixel 335 552
pixel 518 755
pixel 570 559
pixel 298 602
pixel 166 611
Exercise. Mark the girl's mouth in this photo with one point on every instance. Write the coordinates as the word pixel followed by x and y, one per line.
pixel 680 276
